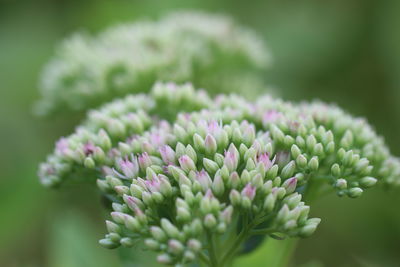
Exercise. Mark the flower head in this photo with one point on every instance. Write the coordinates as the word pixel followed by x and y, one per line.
pixel 199 173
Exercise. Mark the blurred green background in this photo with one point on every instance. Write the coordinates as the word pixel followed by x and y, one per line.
pixel 342 51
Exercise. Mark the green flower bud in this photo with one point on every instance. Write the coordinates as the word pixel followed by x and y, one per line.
pixel 103 185
pixel 313 164
pixel 113 227
pixel 210 145
pixel 107 243
pixel 269 203
pixel 295 150
pixel 308 230
pixel 158 234
pixel 169 228
pixel 218 186
pixel 288 170
pixel 118 217
pixel 267 188
pixel 235 198
pixel 194 245
pixel 152 244
pixel 336 170
pixel 330 147
pixel 164 259
pixel 311 142
pixel 199 143
pixel 341 184
pixel 210 166
pixel 132 223
pixel 272 172
pixel 301 161
pixel 127 242
pixel 277 135
pixel 318 150
pixel 368 181
pixel 209 221
pixel 89 163
pixel 355 192
pixel 283 214
pixel 175 247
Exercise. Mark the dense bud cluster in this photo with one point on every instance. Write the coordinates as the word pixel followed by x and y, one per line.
pixel 208 50
pixel 92 145
pixel 183 169
pixel 189 185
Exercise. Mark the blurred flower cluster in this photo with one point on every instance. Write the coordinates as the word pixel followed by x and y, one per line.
pixel 210 51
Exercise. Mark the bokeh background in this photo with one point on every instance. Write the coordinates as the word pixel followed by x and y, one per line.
pixel 342 51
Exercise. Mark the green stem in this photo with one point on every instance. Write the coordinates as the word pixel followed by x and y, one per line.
pixel 264 231
pixel 243 235
pixel 204 258
pixel 232 250
pixel 213 258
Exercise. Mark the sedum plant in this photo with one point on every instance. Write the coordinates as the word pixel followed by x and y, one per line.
pixel 210 51
pixel 194 177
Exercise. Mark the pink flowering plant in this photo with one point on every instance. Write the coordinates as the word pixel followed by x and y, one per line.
pixel 195 178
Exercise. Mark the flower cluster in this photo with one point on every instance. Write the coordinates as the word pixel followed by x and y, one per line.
pixel 177 193
pixel 186 172
pixel 93 143
pixel 208 50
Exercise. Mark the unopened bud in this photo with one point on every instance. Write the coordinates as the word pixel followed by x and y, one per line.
pixel 175 247
pixel 235 198
pixel 288 170
pixel 368 181
pixel 335 170
pixel 169 228
pixel 210 166
pixel 355 192
pixel 313 164
pixel 210 145
pixel 210 221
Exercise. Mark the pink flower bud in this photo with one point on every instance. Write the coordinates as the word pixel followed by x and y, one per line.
pixel 167 154
pixel 132 202
pixel 290 185
pixel 144 161
pixel 249 191
pixel 129 168
pixel 231 159
pixel 204 179
pixel 282 158
pixel 264 159
pixel 153 185
pixel 226 214
pixel 62 147
pixel 214 128
pixel 210 144
pixel 187 163
pixel 88 149
pixel 272 116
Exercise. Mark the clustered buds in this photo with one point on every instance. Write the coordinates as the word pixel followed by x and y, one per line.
pixel 129 58
pixel 182 194
pixel 95 143
pixel 184 167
